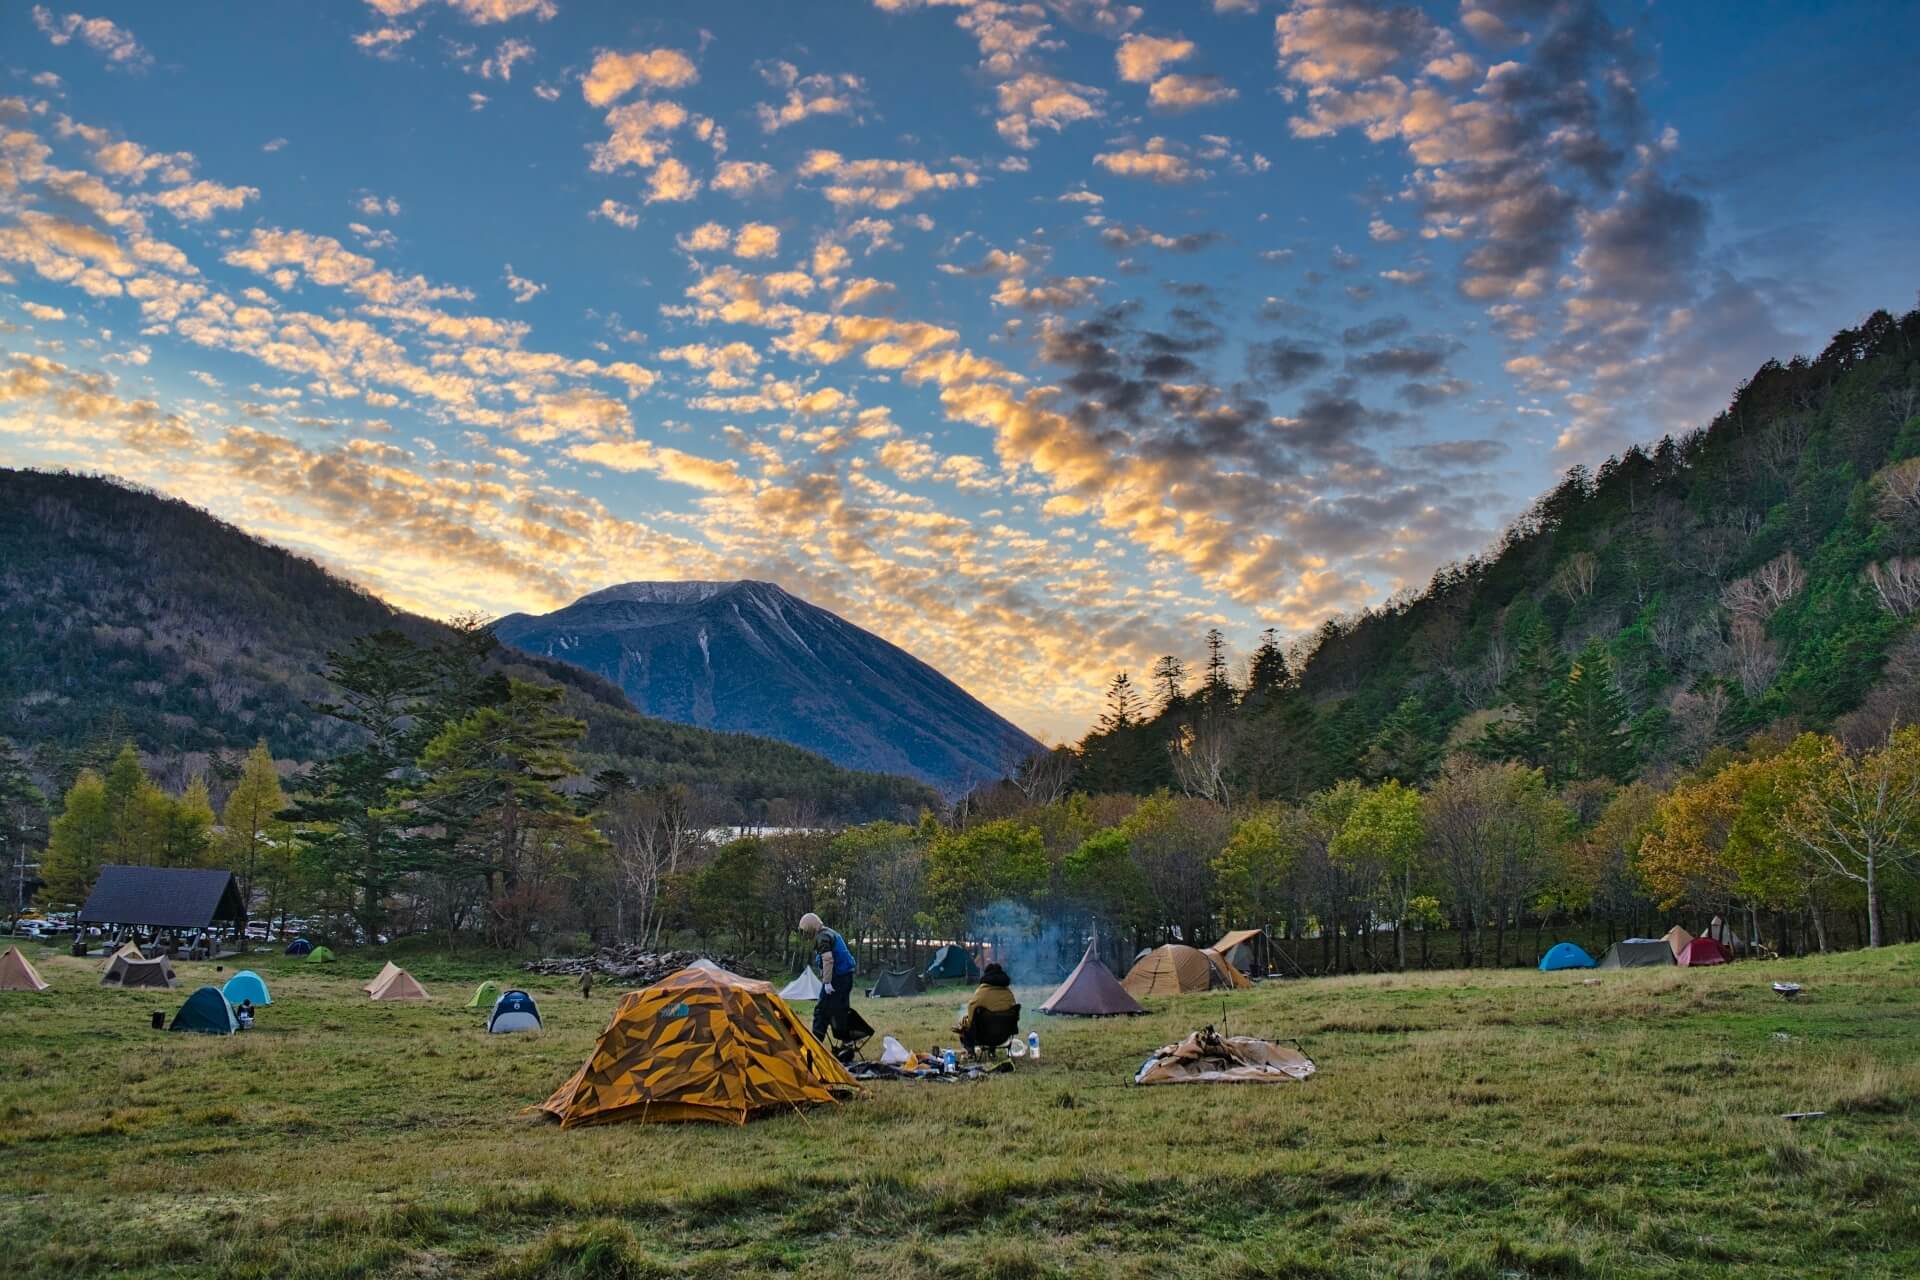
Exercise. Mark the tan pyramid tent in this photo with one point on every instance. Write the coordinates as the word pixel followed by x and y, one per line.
pixel 399 985
pixel 1208 1058
pixel 381 979
pixel 17 975
pixel 128 972
pixel 1676 938
pixel 699 1045
pixel 130 950
pixel 1091 991
pixel 1174 969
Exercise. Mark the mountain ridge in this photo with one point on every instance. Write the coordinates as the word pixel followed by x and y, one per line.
pixel 751 656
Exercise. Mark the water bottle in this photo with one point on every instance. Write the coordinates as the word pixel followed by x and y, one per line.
pixel 1033 1045
pixel 953 1063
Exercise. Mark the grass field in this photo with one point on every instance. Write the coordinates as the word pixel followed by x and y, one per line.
pixel 1499 1124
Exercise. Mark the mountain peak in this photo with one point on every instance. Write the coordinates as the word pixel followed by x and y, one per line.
pixel 682 592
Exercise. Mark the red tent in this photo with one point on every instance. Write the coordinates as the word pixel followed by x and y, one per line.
pixel 1702 950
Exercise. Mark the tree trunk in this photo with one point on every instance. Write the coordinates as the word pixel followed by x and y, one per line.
pixel 1873 905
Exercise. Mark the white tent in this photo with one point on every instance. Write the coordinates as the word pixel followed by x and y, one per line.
pixel 513 1011
pixel 804 987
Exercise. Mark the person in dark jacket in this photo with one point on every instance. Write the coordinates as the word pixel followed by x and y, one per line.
pixel 993 995
pixel 837 968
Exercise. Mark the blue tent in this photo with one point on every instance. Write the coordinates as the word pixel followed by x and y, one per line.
pixel 205 1011
pixel 514 1011
pixel 246 985
pixel 1565 955
pixel 299 947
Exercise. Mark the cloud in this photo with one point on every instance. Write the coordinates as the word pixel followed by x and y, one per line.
pixel 671 181
pixel 807 96
pixel 199 201
pixel 1037 100
pixel 637 135
pixel 614 75
pixel 98 34
pixel 1326 41
pixel 879 184
pixel 40 311
pixel 1284 361
pixel 1140 58
pixel 753 240
pixel 742 178
pixel 1158 161
pixel 1189 93
pixel 500 65
pixel 374 206
pixel 384 42
pixel 618 214
pixel 478 12
pixel 522 289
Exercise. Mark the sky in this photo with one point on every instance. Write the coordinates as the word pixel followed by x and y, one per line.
pixel 1035 337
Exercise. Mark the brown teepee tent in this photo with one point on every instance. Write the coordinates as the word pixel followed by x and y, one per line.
pixel 1091 991
pixel 1677 939
pixel 381 979
pixel 17 975
pixel 400 985
pixel 1174 969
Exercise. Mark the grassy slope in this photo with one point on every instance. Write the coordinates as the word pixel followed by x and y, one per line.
pixel 1463 1124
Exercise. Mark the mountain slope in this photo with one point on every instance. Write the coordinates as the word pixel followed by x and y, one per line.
pixel 127 614
pixel 748 656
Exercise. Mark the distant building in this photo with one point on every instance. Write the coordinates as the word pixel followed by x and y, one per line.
pixel 183 898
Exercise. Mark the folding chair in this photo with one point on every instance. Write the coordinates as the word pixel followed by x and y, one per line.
pixel 989 1032
pixel 847 1035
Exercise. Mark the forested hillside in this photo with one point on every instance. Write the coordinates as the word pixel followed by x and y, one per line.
pixel 126 615
pixel 1757 574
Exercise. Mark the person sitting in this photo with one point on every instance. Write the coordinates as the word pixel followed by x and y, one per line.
pixel 993 998
pixel 244 1015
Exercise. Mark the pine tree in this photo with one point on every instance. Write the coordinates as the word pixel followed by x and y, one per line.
pixel 1123 705
pixel 78 842
pixel 1406 748
pixel 131 811
pixel 1594 738
pixel 1268 670
pixel 1217 683
pixel 1536 689
pixel 253 836
pixel 1170 678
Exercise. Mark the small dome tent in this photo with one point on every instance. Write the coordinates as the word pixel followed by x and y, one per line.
pixel 484 995
pixel 953 962
pixel 1702 951
pixel 514 1011
pixel 1637 953
pixel 207 1012
pixel 320 955
pixel 804 987
pixel 244 986
pixel 1565 955
pixel 299 947
pixel 897 982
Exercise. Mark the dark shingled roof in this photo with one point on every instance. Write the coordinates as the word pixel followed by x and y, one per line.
pixel 163 897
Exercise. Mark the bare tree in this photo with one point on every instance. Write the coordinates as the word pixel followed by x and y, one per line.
pixel 1764 590
pixel 652 831
pixel 1897 493
pixel 1697 720
pixel 1203 753
pixel 1044 777
pixel 1897 583
pixel 1857 818
pixel 1711 550
pixel 1576 576
pixel 1755 660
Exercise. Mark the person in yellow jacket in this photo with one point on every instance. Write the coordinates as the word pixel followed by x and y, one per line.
pixel 993 995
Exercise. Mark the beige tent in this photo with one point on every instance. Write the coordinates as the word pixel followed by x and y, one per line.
pixel 1208 1058
pixel 1676 938
pixel 130 950
pixel 16 974
pixel 1174 969
pixel 128 972
pixel 1243 949
pixel 400 985
pixel 382 978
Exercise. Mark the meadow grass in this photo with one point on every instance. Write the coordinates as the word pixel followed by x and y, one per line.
pixel 1496 1124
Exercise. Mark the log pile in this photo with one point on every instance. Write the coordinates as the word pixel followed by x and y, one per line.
pixel 632 964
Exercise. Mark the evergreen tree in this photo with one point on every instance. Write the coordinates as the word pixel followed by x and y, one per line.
pixel 1407 747
pixel 1123 705
pixel 181 827
pixel 1594 738
pixel 1217 684
pixel 1170 678
pixel 1268 671
pixel 1536 689
pixel 253 837
pixel 78 842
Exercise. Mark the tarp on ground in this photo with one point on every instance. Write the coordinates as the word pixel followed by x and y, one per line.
pixel 244 986
pixel 387 973
pixel 1676 938
pixel 1091 991
pixel 1702 951
pixel 1208 1058
pixel 1637 954
pixel 514 1011
pixel 699 1045
pixel 1247 950
pixel 128 950
pixel 128 972
pixel 320 955
pixel 399 985
pixel 804 987
pixel 484 995
pixel 17 974
pixel 299 947
pixel 1565 955
pixel 205 1011
pixel 897 982
pixel 1175 969
pixel 953 962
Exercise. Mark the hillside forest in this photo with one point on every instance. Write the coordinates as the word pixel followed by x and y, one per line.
pixel 1681 685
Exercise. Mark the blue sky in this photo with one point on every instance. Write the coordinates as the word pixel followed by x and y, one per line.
pixel 1036 337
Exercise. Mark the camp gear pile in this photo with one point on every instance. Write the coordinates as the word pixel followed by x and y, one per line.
pixel 699 1045
pixel 630 964
pixel 1206 1057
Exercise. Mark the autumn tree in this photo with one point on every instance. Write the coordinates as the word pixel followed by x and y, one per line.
pixel 1860 816
pixel 79 842
pixel 1380 844
pixel 254 839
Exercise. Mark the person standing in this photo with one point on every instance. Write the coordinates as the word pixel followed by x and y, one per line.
pixel 586 984
pixel 837 967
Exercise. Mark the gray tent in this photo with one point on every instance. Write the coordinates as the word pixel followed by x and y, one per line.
pixel 1091 991
pixel 1638 953
pixel 898 982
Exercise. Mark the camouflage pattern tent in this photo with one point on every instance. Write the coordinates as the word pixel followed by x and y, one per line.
pixel 699 1045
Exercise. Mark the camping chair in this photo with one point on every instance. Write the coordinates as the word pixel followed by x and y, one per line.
pixel 847 1035
pixel 989 1032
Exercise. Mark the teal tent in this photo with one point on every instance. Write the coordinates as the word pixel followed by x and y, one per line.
pixel 1565 955
pixel 244 986
pixel 953 962
pixel 207 1012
